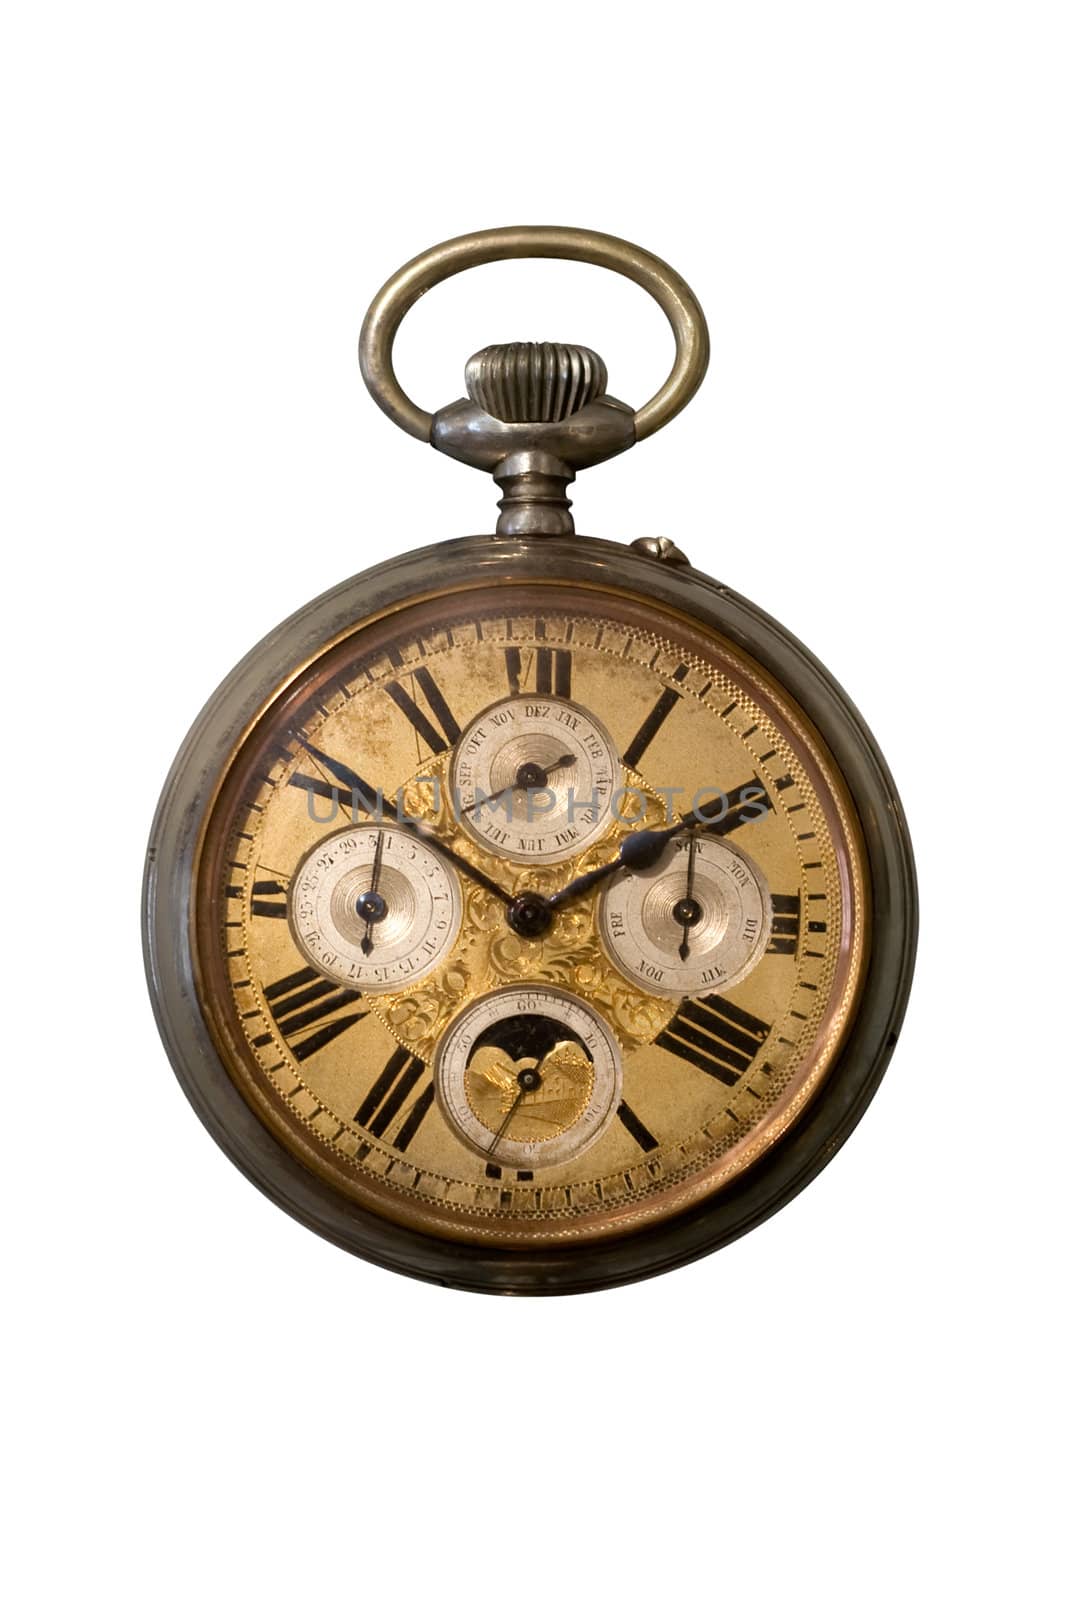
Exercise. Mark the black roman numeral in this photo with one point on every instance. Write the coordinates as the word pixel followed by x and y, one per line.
pixel 268 898
pixel 302 1000
pixel 725 813
pixel 439 735
pixel 785 925
pixel 551 670
pixel 654 721
pixel 359 794
pixel 387 1098
pixel 635 1127
pixel 719 1038
pixel 326 791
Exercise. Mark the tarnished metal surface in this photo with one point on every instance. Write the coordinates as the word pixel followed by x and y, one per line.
pixel 396 298
pixel 168 919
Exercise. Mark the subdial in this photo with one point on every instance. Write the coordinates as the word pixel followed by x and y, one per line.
pixel 695 923
pixel 533 778
pixel 528 1077
pixel 375 907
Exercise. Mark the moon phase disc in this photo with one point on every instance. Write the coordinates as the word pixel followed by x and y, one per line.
pixel 529 1076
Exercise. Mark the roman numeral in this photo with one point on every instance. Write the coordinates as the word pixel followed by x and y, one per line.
pixel 785 925
pixel 387 1098
pixel 551 670
pixel 302 1000
pixel 440 736
pixel 326 791
pixel 268 898
pixel 635 1127
pixel 654 721
pixel 747 803
pixel 719 1038
pixel 352 792
pixel 493 1171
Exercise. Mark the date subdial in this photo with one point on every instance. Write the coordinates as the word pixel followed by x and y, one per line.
pixel 529 1076
pixel 375 907
pixel 695 923
pixel 533 778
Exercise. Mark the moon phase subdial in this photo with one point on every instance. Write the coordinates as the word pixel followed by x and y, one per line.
pixel 528 1077
pixel 533 778
pixel 696 923
pixel 374 907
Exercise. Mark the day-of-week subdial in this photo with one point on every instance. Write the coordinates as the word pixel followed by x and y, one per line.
pixel 529 1077
pixel 696 923
pixel 533 778
pixel 374 907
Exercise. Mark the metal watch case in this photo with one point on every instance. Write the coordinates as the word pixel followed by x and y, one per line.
pixel 648 571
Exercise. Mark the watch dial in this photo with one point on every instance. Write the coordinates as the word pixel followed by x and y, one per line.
pixel 374 907
pixel 534 775
pixel 429 972
pixel 529 1077
pixel 696 922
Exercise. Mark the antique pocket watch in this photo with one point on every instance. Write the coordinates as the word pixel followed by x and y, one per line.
pixel 530 913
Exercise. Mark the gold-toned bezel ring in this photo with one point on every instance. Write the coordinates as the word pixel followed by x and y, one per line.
pixel 396 298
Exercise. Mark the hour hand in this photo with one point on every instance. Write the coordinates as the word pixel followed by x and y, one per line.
pixel 637 850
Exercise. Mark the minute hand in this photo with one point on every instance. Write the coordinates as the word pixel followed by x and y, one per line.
pixel 362 792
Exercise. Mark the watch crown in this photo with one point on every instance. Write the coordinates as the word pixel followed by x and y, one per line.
pixel 535 382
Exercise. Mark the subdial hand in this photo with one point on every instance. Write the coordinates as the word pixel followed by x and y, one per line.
pixel 687 912
pixel 370 905
pixel 372 800
pixel 529 776
pixel 526 1082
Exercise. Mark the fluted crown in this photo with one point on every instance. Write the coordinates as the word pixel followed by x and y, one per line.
pixel 535 382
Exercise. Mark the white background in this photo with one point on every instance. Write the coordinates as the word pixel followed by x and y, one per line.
pixel 199 200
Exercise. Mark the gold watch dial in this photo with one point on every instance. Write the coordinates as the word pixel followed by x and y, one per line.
pixel 429 973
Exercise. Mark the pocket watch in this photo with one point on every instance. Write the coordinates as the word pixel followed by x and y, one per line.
pixel 530 913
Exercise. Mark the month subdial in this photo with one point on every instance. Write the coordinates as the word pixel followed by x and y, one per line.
pixel 528 1076
pixel 533 779
pixel 375 907
pixel 696 923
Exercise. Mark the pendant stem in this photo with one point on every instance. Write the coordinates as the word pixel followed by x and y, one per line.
pixel 535 502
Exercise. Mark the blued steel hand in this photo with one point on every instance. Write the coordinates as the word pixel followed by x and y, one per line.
pixel 372 799
pixel 370 906
pixel 528 777
pixel 526 1081
pixel 687 911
